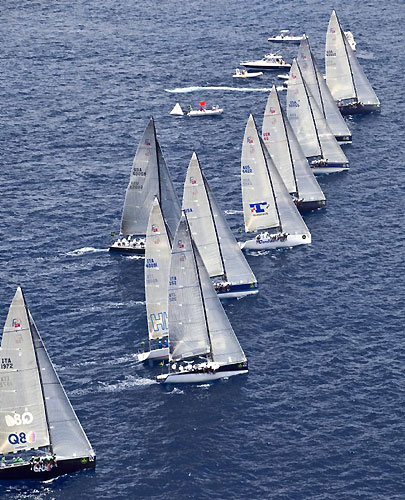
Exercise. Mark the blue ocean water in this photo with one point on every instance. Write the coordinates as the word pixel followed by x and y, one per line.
pixel 321 414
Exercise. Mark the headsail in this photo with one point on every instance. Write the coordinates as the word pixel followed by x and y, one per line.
pixel 344 75
pixel 68 439
pixel 308 123
pixel 320 91
pixel 283 146
pixel 198 322
pixel 23 419
pixel 157 261
pixel 215 241
pixel 149 178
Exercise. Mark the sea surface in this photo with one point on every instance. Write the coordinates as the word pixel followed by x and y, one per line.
pixel 321 414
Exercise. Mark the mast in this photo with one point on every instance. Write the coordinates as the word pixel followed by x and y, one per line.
pixel 310 107
pixel 215 226
pixel 158 162
pixel 288 142
pixel 199 285
pixel 39 371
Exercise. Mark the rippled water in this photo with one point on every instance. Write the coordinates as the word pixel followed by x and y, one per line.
pixel 321 413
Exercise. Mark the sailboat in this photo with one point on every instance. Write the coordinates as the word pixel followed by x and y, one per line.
pixel 157 261
pixel 318 88
pixel 203 346
pixel 149 177
pixel 344 75
pixel 219 250
pixel 285 151
pixel 312 130
pixel 267 203
pixel 35 412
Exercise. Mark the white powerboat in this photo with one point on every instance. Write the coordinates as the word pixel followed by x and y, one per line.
pixel 243 73
pixel 351 40
pixel 203 111
pixel 285 36
pixel 269 62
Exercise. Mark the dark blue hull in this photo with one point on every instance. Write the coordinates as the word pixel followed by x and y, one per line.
pixel 35 472
pixel 309 206
pixel 237 291
pixel 127 250
pixel 358 109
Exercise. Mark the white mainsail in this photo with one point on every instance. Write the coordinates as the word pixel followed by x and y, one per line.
pixel 157 261
pixel 320 91
pixel 258 199
pixel 215 241
pixel 308 123
pixel 23 420
pixel 260 179
pixel 344 75
pixel 283 146
pixel 149 178
pixel 198 323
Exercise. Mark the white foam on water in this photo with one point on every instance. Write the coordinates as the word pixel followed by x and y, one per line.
pixel 233 212
pixel 129 382
pixel 186 90
pixel 82 251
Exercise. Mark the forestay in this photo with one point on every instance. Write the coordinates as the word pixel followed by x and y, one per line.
pixel 157 261
pixel 215 241
pixel 318 88
pixel 259 207
pixel 283 146
pixel 67 437
pixel 23 422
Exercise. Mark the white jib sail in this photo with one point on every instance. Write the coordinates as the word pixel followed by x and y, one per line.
pixel 157 261
pixel 338 72
pixel 320 91
pixel 23 422
pixel 259 207
pixel 300 115
pixel 211 233
pixel 285 151
pixel 67 436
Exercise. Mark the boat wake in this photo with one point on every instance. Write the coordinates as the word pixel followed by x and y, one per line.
pixel 81 251
pixel 129 382
pixel 186 90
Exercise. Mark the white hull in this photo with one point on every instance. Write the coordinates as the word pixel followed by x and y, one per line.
pixel 328 170
pixel 291 39
pixel 206 112
pixel 264 243
pixel 125 245
pixel 263 65
pixel 237 295
pixel 196 378
pixel 154 354
pixel 248 75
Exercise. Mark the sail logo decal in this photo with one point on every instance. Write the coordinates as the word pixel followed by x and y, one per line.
pixel 294 104
pixel 303 56
pixel 187 210
pixel 151 263
pixel 154 228
pixel 249 140
pixel 256 208
pixel 22 438
pixel 16 419
pixel 147 142
pixel 332 30
pixel 180 244
pixel 16 323
pixel 272 110
pixel 330 53
pixel 247 169
pixel 6 364
pixel 266 136
pixel 173 280
pixel 193 181
pixel 159 321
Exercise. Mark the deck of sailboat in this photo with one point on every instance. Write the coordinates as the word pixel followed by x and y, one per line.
pixel 26 471
pixel 203 375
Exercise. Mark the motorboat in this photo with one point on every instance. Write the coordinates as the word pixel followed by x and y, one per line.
pixel 203 111
pixel 351 40
pixel 243 73
pixel 284 36
pixel 269 62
